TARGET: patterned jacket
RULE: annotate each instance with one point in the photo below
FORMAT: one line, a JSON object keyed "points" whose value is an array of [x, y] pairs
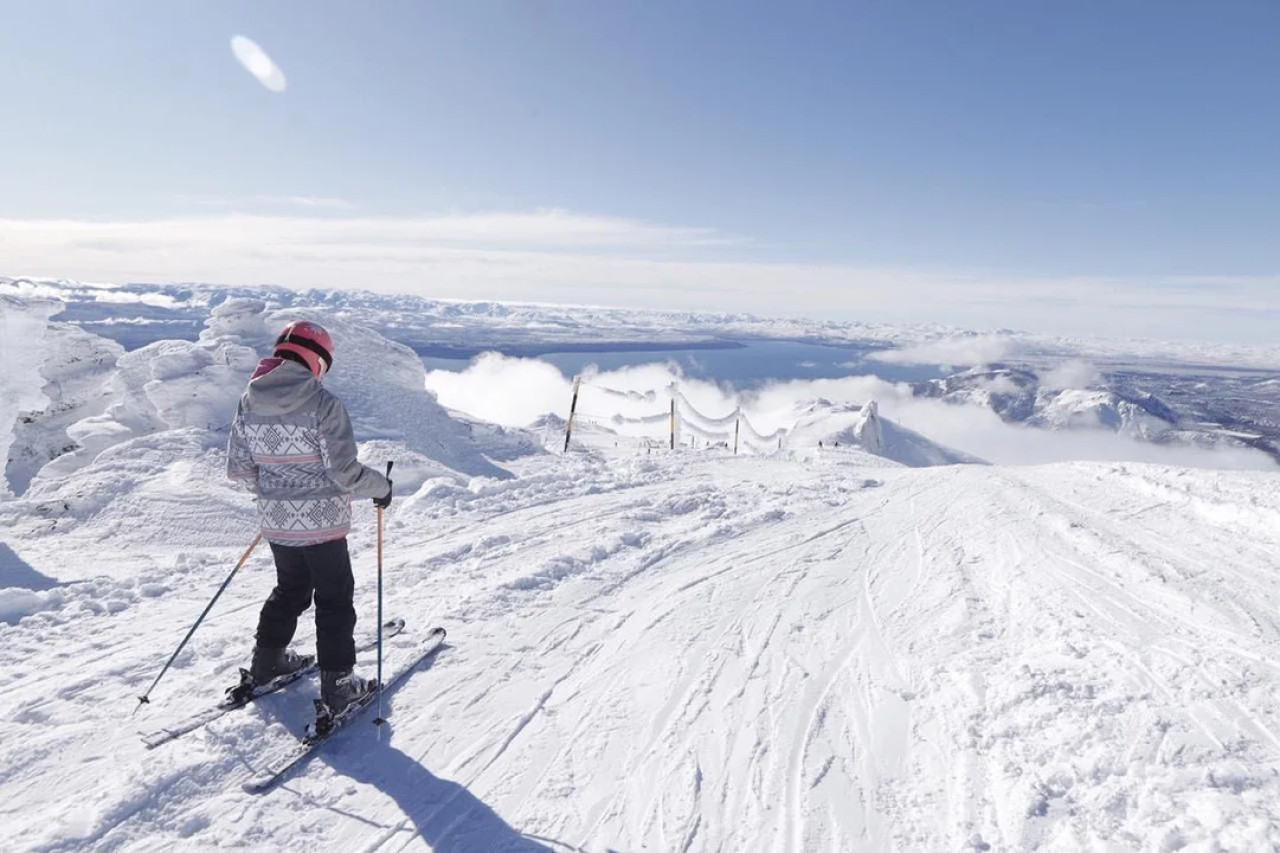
{"points": [[292, 445]]}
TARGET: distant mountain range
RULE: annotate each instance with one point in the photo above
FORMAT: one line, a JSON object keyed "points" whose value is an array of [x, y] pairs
{"points": [[1019, 395]]}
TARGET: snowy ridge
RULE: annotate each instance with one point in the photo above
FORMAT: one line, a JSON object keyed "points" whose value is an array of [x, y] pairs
{"points": [[850, 429], [1218, 395], [1020, 395], [531, 328]]}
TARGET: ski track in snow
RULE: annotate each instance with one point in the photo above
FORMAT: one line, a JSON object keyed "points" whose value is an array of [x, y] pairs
{"points": [[690, 652]]}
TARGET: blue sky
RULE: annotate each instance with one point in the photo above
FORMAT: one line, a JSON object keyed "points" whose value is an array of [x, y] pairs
{"points": [[1090, 167]]}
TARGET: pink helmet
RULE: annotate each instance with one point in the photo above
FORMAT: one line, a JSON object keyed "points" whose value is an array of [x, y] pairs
{"points": [[310, 342]]}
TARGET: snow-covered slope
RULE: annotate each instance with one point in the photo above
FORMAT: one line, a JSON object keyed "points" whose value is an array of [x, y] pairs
{"points": [[862, 430], [684, 652], [648, 649]]}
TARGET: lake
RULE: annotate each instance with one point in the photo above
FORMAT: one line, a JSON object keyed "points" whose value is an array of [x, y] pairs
{"points": [[747, 364]]}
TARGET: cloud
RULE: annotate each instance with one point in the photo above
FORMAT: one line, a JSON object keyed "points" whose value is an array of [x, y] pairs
{"points": [[256, 62], [299, 201], [963, 351], [1070, 375], [509, 391], [307, 201], [557, 256], [515, 392]]}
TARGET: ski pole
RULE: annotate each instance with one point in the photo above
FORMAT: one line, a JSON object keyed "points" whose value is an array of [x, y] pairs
{"points": [[378, 721], [244, 558]]}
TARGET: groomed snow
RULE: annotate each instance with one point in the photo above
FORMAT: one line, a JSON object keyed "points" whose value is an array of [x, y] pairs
{"points": [[690, 652]]}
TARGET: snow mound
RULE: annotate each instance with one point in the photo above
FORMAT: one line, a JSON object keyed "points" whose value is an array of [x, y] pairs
{"points": [[167, 385], [383, 385], [23, 348], [1020, 396], [163, 486], [1010, 392], [861, 431], [1082, 409], [76, 365], [129, 443], [239, 319]]}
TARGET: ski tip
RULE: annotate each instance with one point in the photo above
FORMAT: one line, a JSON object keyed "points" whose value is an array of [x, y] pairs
{"points": [[438, 632], [256, 786]]}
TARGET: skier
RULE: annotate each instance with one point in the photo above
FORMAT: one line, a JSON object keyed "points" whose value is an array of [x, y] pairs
{"points": [[292, 445]]}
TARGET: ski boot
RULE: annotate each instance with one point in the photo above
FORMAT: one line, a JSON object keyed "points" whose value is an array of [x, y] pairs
{"points": [[338, 690], [267, 666]]}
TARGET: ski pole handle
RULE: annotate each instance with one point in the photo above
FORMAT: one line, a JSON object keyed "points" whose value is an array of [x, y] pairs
{"points": [[378, 721]]}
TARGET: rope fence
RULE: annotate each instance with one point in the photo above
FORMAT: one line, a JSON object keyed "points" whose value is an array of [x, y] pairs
{"points": [[683, 420]]}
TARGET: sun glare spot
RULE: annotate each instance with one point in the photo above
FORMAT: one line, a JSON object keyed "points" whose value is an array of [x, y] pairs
{"points": [[256, 62]]}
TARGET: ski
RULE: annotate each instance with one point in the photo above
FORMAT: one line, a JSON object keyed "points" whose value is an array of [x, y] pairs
{"points": [[244, 694], [306, 747]]}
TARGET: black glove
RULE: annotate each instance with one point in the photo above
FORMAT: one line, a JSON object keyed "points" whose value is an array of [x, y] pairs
{"points": [[384, 502]]}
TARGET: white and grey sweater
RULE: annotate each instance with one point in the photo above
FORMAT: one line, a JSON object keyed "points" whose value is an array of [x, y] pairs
{"points": [[292, 445]]}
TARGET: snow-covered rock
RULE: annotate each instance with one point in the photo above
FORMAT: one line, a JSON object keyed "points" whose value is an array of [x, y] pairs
{"points": [[240, 320], [24, 349], [1147, 419], [1019, 395], [76, 366], [1008, 391], [849, 429], [869, 431], [107, 421]]}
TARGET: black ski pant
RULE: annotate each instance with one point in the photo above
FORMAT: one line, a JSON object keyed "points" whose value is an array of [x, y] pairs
{"points": [[322, 571]]}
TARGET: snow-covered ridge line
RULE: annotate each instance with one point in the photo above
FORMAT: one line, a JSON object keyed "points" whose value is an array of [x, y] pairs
{"points": [[421, 322]]}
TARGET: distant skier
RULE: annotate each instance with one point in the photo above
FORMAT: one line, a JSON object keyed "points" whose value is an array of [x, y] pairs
{"points": [[292, 445]]}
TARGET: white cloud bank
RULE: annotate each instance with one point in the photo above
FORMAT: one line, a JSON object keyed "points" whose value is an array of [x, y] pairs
{"points": [[556, 256], [1073, 374], [966, 351]]}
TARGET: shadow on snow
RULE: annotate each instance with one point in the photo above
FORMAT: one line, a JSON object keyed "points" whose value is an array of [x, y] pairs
{"points": [[448, 817], [16, 572]]}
